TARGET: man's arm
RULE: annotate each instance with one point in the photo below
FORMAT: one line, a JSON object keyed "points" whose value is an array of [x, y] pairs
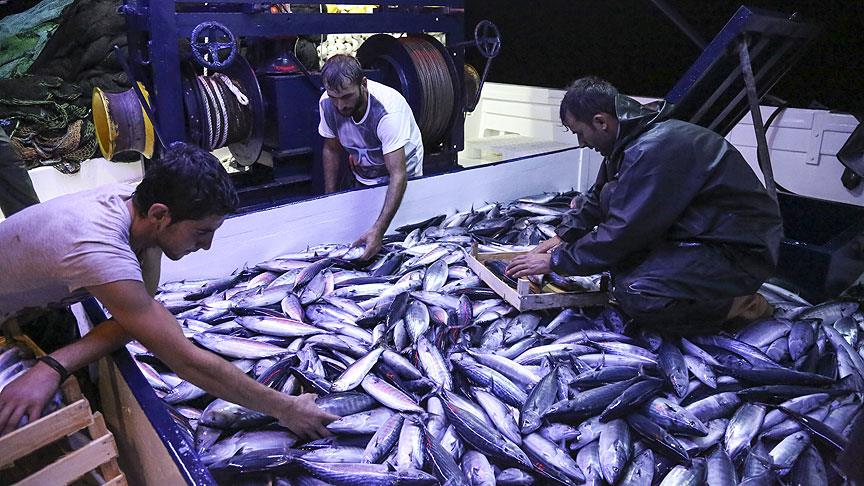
{"points": [[29, 393], [137, 315], [150, 323], [658, 179], [395, 162], [584, 212], [330, 161]]}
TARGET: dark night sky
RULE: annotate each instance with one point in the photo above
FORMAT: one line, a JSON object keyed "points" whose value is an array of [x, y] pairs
{"points": [[635, 46]]}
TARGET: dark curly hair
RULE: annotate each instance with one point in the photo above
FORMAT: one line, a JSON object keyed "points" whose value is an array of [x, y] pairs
{"points": [[588, 96], [341, 68], [190, 181]]}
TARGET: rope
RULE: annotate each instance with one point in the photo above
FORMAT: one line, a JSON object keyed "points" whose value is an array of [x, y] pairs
{"points": [[437, 87], [207, 142], [226, 115], [221, 113]]}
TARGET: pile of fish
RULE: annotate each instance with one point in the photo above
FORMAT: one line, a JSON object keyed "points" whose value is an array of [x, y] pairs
{"points": [[437, 380]]}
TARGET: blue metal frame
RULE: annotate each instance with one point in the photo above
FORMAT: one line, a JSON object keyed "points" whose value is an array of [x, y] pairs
{"points": [[181, 452], [711, 92], [155, 25]]}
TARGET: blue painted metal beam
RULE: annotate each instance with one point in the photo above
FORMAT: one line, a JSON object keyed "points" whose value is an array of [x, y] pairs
{"points": [[165, 59], [259, 25], [389, 3]]}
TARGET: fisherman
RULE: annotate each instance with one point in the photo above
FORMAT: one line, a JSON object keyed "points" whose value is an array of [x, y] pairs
{"points": [[108, 243], [374, 123], [676, 215]]}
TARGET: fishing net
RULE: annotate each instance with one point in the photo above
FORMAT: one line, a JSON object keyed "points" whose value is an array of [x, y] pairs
{"points": [[52, 128], [24, 35]]}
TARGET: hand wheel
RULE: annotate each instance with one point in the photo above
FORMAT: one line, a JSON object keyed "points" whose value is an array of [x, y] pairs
{"points": [[219, 38], [487, 38]]}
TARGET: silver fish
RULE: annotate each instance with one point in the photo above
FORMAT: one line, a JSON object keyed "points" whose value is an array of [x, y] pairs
{"points": [[354, 374], [615, 449], [389, 395], [361, 423], [383, 440], [478, 470], [433, 363], [743, 427]]}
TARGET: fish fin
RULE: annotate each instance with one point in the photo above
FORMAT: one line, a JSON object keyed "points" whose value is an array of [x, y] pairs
{"points": [[542, 334], [427, 395]]}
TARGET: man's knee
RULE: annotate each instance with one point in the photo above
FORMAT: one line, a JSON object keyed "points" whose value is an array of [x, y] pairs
{"points": [[670, 314], [638, 305]]}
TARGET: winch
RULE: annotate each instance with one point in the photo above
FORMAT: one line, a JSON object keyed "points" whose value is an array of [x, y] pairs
{"points": [[227, 74]]}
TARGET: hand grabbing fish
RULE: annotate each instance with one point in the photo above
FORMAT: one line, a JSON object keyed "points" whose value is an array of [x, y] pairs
{"points": [[530, 264], [305, 419], [372, 241]]}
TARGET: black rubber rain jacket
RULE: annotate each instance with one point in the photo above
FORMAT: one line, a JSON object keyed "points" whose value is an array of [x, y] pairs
{"points": [[674, 205]]}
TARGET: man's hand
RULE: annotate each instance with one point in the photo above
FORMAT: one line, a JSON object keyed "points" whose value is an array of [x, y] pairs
{"points": [[546, 246], [529, 264], [27, 395], [372, 240], [304, 418]]}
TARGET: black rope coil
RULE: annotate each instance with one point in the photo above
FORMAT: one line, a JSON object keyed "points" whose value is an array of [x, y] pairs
{"points": [[225, 111], [437, 87]]}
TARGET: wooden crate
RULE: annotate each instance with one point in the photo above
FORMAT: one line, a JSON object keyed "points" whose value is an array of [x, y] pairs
{"points": [[37, 442], [521, 297]]}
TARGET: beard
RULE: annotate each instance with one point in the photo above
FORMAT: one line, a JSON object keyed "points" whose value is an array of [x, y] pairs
{"points": [[350, 112], [359, 106]]}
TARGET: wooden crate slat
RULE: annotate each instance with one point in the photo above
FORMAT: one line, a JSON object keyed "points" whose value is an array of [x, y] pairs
{"points": [[100, 453], [118, 481], [546, 301], [110, 469], [505, 291], [521, 299], [75, 464], [523, 286], [71, 391], [504, 255], [44, 431]]}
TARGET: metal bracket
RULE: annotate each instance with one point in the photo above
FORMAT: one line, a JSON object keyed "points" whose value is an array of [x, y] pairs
{"points": [[762, 153], [147, 109]]}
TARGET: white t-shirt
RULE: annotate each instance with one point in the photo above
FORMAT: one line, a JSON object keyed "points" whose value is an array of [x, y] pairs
{"points": [[52, 251], [388, 125]]}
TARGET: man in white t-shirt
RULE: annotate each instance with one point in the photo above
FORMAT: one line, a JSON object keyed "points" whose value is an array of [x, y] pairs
{"points": [[375, 125], [108, 243]]}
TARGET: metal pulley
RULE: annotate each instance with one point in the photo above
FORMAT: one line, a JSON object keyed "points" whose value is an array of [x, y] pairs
{"points": [[225, 108], [421, 68]]}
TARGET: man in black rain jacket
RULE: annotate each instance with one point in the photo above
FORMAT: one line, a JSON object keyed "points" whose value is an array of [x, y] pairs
{"points": [[676, 215]]}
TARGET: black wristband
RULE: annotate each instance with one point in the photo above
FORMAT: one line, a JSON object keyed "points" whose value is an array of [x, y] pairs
{"points": [[56, 366]]}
